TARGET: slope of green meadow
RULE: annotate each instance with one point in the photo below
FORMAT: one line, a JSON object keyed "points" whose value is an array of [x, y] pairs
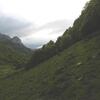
{"points": [[73, 74]]}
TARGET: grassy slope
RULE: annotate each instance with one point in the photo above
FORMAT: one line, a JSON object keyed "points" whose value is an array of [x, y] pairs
{"points": [[11, 54], [72, 75], [6, 70]]}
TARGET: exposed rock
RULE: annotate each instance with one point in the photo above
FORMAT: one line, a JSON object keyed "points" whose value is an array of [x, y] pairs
{"points": [[16, 40], [79, 63]]}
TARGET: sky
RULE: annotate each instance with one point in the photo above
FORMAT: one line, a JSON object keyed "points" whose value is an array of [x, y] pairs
{"points": [[38, 21]]}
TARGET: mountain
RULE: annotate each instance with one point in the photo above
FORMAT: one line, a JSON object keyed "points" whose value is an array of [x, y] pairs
{"points": [[4, 37], [66, 70], [72, 74], [16, 40], [12, 51], [85, 26]]}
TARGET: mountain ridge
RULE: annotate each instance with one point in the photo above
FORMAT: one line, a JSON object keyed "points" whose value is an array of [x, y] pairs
{"points": [[74, 73], [66, 70], [86, 24], [12, 50]]}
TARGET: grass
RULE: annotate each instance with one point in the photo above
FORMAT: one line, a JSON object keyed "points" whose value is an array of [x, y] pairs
{"points": [[74, 74], [13, 54], [8, 70]]}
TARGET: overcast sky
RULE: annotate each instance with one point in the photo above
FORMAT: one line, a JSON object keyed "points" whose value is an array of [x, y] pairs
{"points": [[38, 21]]}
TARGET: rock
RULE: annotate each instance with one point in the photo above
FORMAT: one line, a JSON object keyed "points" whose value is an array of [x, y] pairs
{"points": [[16, 40], [79, 63]]}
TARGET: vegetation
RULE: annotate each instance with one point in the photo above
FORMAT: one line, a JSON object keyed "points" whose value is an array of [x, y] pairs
{"points": [[87, 24], [13, 54], [41, 55], [66, 70], [74, 74]]}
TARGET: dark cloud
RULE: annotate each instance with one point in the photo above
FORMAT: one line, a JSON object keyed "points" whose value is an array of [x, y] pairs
{"points": [[12, 26]]}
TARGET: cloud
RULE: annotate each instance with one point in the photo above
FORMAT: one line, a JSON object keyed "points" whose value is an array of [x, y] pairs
{"points": [[54, 27], [49, 31], [57, 26], [44, 19], [31, 34], [12, 26]]}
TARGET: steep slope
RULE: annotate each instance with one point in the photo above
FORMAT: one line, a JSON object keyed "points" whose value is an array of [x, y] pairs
{"points": [[74, 74], [87, 24], [12, 51]]}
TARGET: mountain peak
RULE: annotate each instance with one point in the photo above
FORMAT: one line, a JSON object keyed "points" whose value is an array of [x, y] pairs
{"points": [[16, 40]]}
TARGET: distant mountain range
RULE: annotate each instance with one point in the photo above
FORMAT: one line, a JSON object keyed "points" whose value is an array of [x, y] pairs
{"points": [[12, 51], [15, 39]]}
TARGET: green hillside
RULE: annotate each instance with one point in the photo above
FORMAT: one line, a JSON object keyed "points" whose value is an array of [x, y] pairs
{"points": [[13, 55], [12, 52], [66, 70], [87, 24], [74, 74]]}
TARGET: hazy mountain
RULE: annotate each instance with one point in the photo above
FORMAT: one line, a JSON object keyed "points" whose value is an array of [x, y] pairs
{"points": [[4, 37], [16, 40], [12, 51]]}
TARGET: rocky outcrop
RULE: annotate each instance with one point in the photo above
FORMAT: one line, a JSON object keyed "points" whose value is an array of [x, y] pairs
{"points": [[16, 40]]}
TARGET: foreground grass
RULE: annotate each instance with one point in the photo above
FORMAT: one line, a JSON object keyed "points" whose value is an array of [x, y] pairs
{"points": [[71, 75], [8, 70]]}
